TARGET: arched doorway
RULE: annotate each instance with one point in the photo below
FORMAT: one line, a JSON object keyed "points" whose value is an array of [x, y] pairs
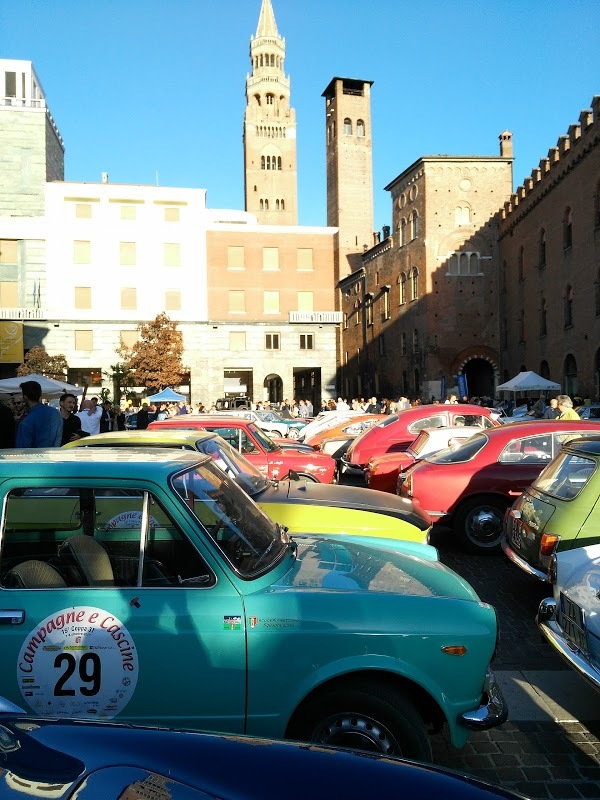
{"points": [[273, 389], [545, 370], [480, 374], [570, 376]]}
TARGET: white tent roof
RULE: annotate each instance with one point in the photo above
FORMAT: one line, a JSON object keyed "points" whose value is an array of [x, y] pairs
{"points": [[50, 387], [528, 382]]}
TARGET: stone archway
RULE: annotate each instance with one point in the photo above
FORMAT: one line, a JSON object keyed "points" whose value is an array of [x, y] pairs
{"points": [[479, 365], [273, 388]]}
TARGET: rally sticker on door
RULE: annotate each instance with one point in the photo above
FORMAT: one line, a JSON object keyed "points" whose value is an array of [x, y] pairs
{"points": [[78, 662]]}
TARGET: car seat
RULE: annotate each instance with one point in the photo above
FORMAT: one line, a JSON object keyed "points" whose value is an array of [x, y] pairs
{"points": [[34, 575], [91, 559]]}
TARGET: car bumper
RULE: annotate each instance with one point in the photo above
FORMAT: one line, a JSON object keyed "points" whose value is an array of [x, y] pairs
{"points": [[522, 564], [493, 710], [546, 620]]}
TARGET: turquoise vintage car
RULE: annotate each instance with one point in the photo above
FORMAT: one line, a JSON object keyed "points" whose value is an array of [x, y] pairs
{"points": [[146, 586]]}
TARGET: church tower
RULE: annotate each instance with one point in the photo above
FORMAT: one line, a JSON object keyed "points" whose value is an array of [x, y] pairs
{"points": [[270, 172]]}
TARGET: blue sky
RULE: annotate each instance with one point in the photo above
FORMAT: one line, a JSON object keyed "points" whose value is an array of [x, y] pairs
{"points": [[141, 88]]}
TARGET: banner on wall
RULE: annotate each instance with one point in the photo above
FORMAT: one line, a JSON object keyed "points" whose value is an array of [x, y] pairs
{"points": [[11, 342], [463, 390]]}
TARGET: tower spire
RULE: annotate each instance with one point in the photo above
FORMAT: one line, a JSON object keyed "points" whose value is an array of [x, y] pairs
{"points": [[266, 21]]}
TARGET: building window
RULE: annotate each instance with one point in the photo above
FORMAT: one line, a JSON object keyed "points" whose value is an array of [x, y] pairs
{"points": [[83, 210], [402, 288], [568, 306], [9, 294], [415, 283], [385, 304], [237, 302], [360, 128], [271, 302], [568, 229], [369, 309], [542, 249], [127, 253], [463, 264], [129, 299], [8, 251], [345, 320], [270, 99], [304, 259], [129, 338], [271, 341], [85, 377], [84, 340], [171, 214], [128, 212], [402, 232], [270, 258], [381, 345], [305, 301], [414, 225], [237, 340], [82, 252], [462, 215], [544, 318], [415, 342], [173, 300], [307, 341], [357, 313], [83, 297], [235, 257], [403, 344], [521, 266], [347, 127], [172, 254]]}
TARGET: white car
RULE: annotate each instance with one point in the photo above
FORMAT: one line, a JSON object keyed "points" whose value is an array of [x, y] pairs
{"points": [[327, 419], [271, 423], [570, 620]]}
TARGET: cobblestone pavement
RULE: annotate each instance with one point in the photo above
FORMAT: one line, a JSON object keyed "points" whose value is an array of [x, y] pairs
{"points": [[539, 759]]}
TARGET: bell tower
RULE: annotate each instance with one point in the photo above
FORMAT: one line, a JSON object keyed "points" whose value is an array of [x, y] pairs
{"points": [[270, 171]]}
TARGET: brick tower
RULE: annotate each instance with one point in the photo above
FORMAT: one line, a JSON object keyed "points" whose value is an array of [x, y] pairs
{"points": [[270, 172], [349, 169]]}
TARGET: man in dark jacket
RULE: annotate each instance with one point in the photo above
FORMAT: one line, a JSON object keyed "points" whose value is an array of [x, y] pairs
{"points": [[142, 418], [71, 422]]}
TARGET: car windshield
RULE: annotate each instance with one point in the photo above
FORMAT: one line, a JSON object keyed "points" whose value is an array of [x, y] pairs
{"points": [[419, 443], [261, 437], [245, 474], [565, 476], [248, 539], [269, 416], [464, 452]]}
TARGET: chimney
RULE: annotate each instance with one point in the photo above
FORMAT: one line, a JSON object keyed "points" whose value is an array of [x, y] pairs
{"points": [[386, 231], [506, 145], [105, 177]]}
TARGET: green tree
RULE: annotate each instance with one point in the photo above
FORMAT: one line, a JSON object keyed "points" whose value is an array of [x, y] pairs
{"points": [[122, 382], [37, 360], [155, 360]]}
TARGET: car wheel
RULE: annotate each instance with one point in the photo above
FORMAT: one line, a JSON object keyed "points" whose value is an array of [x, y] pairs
{"points": [[294, 433], [364, 716], [479, 524]]}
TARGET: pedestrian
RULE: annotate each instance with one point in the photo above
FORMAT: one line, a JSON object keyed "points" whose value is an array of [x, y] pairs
{"points": [[71, 430], [552, 411], [43, 425], [7, 427], [565, 406], [537, 409], [107, 417], [452, 400], [142, 417], [90, 414]]}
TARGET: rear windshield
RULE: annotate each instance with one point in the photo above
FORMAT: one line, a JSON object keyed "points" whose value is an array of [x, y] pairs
{"points": [[565, 476], [464, 452]]}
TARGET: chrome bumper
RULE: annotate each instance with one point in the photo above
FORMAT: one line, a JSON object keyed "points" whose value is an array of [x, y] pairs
{"points": [[492, 712], [546, 620], [524, 565]]}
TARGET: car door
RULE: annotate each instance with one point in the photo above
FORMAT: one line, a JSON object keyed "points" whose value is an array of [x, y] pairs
{"points": [[110, 609]]}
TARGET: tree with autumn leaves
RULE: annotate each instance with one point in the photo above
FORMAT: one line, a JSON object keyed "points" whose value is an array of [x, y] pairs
{"points": [[154, 361], [37, 361]]}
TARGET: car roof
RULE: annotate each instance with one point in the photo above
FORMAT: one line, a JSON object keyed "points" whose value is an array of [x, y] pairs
{"points": [[96, 462], [142, 437]]}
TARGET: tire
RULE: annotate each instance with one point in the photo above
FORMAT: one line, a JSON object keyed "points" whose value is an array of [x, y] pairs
{"points": [[293, 433], [364, 716], [479, 525]]}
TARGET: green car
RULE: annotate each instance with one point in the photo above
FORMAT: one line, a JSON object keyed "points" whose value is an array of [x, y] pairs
{"points": [[559, 511], [302, 506], [147, 587]]}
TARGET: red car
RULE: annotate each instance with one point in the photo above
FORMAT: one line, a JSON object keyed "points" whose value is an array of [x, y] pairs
{"points": [[471, 487], [273, 461], [398, 431]]}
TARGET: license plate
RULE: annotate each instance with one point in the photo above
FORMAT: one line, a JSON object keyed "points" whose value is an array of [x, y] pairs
{"points": [[572, 621], [515, 534]]}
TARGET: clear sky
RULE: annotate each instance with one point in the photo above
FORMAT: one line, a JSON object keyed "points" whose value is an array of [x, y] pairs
{"points": [[151, 90]]}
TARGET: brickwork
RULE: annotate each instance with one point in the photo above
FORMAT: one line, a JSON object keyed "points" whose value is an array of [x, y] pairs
{"points": [[550, 262]]}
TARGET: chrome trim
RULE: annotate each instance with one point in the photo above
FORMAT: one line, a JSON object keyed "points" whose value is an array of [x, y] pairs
{"points": [[546, 621], [12, 616], [492, 712], [524, 565]]}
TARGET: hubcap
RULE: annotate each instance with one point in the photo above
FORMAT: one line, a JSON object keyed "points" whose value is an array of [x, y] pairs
{"points": [[358, 732], [484, 525]]}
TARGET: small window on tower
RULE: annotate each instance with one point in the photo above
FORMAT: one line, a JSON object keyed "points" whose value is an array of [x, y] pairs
{"points": [[347, 127], [360, 128]]}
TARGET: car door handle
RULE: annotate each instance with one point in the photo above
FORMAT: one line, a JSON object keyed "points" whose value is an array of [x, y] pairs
{"points": [[12, 616]]}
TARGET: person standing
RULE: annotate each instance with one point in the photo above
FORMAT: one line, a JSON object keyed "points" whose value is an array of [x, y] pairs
{"points": [[552, 411], [71, 422], [143, 419], [565, 406], [90, 414], [7, 427], [107, 417], [43, 425]]}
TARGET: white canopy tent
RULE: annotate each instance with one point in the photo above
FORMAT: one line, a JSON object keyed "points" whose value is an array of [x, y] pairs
{"points": [[50, 387], [528, 382]]}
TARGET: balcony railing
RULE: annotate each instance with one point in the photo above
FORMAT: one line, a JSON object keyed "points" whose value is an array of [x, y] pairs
{"points": [[320, 317], [22, 313]]}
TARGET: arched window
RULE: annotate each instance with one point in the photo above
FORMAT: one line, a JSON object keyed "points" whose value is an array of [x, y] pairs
{"points": [[415, 342], [545, 370], [262, 162], [270, 99], [261, 61], [272, 60], [453, 264], [462, 215], [266, 205], [522, 264], [414, 284], [570, 376], [262, 205], [347, 127], [402, 232], [360, 127], [544, 318], [276, 205], [402, 288], [414, 225], [402, 344], [568, 229], [283, 205], [278, 162], [542, 249], [568, 307]]}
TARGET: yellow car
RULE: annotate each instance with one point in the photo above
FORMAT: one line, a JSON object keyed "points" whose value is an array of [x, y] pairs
{"points": [[301, 506]]}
